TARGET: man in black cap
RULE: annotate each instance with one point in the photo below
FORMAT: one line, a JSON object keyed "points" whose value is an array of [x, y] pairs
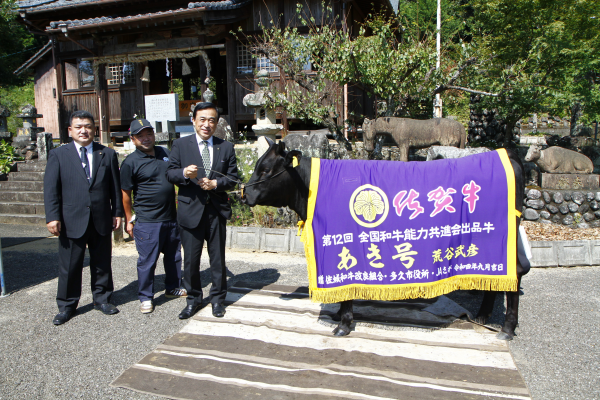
{"points": [[154, 226]]}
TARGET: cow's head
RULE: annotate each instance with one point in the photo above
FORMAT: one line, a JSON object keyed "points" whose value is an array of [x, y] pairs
{"points": [[368, 128], [534, 153], [271, 183]]}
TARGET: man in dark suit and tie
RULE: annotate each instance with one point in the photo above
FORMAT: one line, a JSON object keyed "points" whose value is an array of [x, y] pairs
{"points": [[203, 167], [82, 198]]}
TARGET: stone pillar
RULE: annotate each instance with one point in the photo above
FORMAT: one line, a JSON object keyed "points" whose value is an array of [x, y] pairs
{"points": [[44, 145]]}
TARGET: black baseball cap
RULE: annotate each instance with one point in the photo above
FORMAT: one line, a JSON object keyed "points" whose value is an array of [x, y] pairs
{"points": [[138, 124]]}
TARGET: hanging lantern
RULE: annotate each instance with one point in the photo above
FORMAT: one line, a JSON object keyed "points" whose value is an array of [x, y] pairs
{"points": [[146, 75], [185, 70]]}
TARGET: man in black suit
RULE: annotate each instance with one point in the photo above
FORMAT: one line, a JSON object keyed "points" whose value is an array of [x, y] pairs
{"points": [[203, 167], [82, 198]]}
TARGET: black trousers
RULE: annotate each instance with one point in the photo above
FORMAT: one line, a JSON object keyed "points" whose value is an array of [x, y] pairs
{"points": [[212, 229], [71, 253]]}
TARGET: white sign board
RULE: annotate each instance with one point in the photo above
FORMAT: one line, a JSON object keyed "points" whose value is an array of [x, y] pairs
{"points": [[162, 107]]}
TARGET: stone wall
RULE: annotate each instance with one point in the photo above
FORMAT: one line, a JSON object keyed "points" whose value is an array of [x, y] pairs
{"points": [[574, 208]]}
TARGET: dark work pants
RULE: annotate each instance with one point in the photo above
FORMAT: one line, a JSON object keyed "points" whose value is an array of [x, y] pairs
{"points": [[151, 239], [211, 229], [71, 253]]}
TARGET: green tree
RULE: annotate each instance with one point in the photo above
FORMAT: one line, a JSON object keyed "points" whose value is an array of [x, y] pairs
{"points": [[542, 55], [16, 46], [392, 60]]}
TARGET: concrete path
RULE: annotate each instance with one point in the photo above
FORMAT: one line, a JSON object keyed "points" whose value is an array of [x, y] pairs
{"points": [[556, 350]]}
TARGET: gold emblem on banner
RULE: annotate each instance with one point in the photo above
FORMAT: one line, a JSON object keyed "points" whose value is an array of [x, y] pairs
{"points": [[369, 206]]}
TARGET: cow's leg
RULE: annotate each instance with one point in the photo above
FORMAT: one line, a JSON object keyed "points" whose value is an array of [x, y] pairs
{"points": [[403, 152], [487, 307], [511, 320], [347, 316]]}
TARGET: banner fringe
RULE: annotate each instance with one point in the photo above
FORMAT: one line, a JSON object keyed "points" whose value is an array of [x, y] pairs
{"points": [[413, 291]]}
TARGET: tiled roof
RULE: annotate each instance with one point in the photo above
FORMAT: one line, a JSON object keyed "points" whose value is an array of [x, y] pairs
{"points": [[208, 5], [39, 5], [36, 5], [41, 52]]}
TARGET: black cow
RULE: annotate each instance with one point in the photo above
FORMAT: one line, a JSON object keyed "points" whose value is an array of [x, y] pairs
{"points": [[275, 182]]}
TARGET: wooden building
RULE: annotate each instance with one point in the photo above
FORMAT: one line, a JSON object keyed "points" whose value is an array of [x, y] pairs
{"points": [[104, 56]]}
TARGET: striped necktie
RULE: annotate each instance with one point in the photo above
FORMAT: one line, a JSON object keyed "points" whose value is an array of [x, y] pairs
{"points": [[85, 161], [206, 158]]}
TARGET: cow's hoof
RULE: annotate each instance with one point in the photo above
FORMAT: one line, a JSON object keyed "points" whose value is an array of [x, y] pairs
{"points": [[504, 336], [339, 331], [481, 320]]}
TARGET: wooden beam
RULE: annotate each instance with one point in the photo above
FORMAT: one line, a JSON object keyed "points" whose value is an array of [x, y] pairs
{"points": [[231, 60], [103, 107], [59, 76]]}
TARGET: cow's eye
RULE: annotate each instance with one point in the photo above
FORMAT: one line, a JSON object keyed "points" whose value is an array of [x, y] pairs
{"points": [[266, 171]]}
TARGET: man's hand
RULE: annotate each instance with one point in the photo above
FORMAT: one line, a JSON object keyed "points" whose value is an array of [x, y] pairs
{"points": [[129, 229], [207, 184], [54, 227], [116, 223], [190, 172]]}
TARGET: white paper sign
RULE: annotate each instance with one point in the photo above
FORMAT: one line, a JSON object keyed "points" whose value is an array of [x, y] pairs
{"points": [[162, 107]]}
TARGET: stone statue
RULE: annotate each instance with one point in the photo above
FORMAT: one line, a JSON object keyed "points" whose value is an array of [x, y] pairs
{"points": [[558, 160], [414, 133]]}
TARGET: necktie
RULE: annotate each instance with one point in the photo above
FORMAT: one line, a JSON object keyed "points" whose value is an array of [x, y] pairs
{"points": [[206, 158], [85, 161]]}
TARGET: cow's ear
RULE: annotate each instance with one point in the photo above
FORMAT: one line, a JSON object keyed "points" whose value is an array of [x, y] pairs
{"points": [[281, 148], [292, 158]]}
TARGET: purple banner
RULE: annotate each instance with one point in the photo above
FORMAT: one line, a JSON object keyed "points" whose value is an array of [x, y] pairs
{"points": [[392, 223]]}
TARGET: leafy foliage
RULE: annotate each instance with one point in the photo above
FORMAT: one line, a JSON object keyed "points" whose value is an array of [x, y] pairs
{"points": [[14, 98], [7, 157], [16, 46], [543, 55]]}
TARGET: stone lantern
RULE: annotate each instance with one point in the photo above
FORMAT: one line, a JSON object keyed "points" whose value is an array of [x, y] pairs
{"points": [[30, 128], [266, 119]]}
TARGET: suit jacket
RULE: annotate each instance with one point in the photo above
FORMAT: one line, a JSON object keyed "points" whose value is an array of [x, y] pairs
{"points": [[69, 198], [191, 198]]}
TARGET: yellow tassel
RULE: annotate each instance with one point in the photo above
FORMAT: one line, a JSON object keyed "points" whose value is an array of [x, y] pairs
{"points": [[300, 226]]}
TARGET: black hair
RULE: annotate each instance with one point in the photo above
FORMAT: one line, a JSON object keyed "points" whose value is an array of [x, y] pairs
{"points": [[204, 106], [81, 114]]}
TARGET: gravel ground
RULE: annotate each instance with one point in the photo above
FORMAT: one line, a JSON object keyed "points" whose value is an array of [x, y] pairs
{"points": [[556, 348]]}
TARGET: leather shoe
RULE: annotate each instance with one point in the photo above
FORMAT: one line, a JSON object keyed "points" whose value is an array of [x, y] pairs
{"points": [[106, 308], [188, 311], [62, 317], [218, 310]]}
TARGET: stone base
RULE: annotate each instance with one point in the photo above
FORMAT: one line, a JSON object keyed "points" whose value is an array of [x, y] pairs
{"points": [[570, 181], [30, 133]]}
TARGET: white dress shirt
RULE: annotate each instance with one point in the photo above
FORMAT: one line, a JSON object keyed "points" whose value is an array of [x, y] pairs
{"points": [[90, 154]]}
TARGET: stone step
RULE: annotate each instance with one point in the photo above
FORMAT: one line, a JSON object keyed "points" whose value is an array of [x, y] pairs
{"points": [[29, 186], [22, 208], [26, 176], [28, 196], [38, 166], [23, 219]]}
